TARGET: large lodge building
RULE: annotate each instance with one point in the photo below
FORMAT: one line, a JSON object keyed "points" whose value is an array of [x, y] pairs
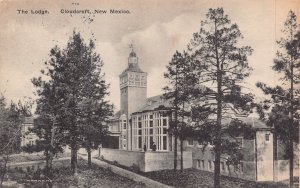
{"points": [[144, 121]]}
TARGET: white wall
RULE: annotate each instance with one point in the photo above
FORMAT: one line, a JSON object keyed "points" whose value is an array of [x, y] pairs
{"points": [[264, 156], [146, 161]]}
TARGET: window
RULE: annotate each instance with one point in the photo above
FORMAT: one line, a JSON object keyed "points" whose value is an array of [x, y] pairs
{"points": [[140, 142], [239, 141], [151, 142], [164, 122], [146, 131], [241, 167], [236, 168], [164, 143], [151, 123], [124, 124], [209, 165], [202, 164], [190, 141], [124, 136], [267, 137], [222, 166]]}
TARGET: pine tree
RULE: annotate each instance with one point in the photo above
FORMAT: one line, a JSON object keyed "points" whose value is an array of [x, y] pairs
{"points": [[11, 118], [179, 75], [95, 109], [75, 99], [223, 65], [284, 103], [46, 125]]}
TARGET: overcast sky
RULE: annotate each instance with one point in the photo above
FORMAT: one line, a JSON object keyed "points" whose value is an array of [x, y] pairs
{"points": [[156, 29]]}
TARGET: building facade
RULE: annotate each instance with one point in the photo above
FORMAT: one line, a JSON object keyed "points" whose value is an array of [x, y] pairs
{"points": [[28, 138], [143, 122]]}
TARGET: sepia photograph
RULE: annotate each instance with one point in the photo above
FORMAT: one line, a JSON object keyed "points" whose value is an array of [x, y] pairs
{"points": [[149, 93]]}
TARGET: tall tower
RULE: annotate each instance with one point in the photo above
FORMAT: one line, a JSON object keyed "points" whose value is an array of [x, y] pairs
{"points": [[133, 86]]}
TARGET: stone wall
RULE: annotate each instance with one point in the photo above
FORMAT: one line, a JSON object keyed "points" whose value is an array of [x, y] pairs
{"points": [[146, 161], [165, 160], [124, 157]]}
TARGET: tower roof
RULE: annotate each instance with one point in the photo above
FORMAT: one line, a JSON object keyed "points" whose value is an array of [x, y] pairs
{"points": [[132, 63], [132, 54], [132, 68]]}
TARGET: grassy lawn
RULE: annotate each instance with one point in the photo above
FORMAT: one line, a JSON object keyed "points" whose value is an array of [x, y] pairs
{"points": [[191, 178], [203, 179], [94, 177], [17, 158]]}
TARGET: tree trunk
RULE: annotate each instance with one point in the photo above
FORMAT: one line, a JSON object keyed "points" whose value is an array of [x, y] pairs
{"points": [[51, 154], [175, 153], [176, 120], [219, 118], [291, 161], [291, 129], [89, 158], [181, 140], [4, 170], [218, 148], [47, 159], [175, 141], [74, 161], [181, 154]]}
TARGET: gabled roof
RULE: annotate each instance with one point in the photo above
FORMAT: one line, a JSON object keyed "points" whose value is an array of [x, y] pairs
{"points": [[155, 103], [159, 102], [116, 116], [252, 121], [255, 122]]}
